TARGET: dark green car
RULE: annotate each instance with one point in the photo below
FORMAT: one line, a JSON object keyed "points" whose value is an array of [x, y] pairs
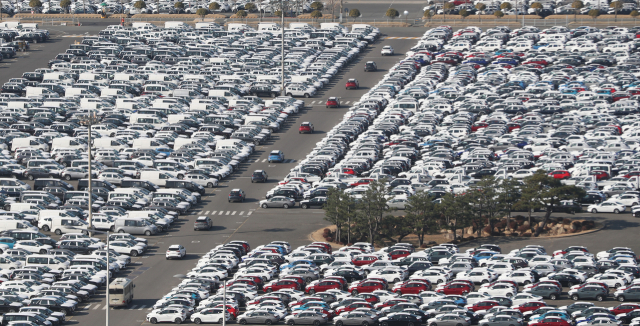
{"points": [[547, 291], [588, 292], [628, 294], [578, 306]]}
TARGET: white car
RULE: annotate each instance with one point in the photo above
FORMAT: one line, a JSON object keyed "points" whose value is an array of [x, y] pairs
{"points": [[202, 180], [387, 50], [521, 277], [627, 199], [611, 280], [502, 290], [210, 315], [525, 297], [435, 277], [32, 246], [502, 268], [299, 90], [175, 251], [169, 314], [606, 207], [8, 263], [477, 276], [390, 275], [126, 248]]}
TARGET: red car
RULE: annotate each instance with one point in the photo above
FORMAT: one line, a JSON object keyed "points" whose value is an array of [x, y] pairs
{"points": [[364, 260], [551, 321], [339, 279], [281, 284], [298, 279], [624, 308], [530, 306], [366, 286], [361, 182], [455, 288], [370, 298], [484, 305], [306, 128], [390, 303], [600, 175], [399, 253], [322, 286], [560, 174], [352, 84], [353, 307], [232, 311], [412, 288], [333, 102], [479, 125]]}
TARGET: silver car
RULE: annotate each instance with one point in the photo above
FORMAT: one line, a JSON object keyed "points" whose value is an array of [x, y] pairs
{"points": [[258, 317], [449, 320], [74, 173], [278, 201], [355, 318]]}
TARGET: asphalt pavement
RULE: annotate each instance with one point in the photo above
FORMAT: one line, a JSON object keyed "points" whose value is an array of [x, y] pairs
{"points": [[153, 275]]}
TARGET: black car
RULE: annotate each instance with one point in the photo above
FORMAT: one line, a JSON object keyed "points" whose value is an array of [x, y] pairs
{"points": [[399, 319], [370, 66], [350, 276], [316, 202], [237, 195], [266, 91], [565, 279], [52, 304], [77, 246], [34, 173], [8, 306], [259, 176]]}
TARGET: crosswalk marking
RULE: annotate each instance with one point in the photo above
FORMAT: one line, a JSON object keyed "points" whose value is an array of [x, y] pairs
{"points": [[234, 213], [134, 307], [249, 213], [87, 306], [213, 213], [227, 213], [207, 213], [96, 307], [264, 160], [105, 307], [221, 212], [347, 102], [314, 102], [142, 307], [242, 213]]}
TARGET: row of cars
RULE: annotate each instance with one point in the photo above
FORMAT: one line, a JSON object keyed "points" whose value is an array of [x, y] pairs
{"points": [[400, 285], [467, 104]]}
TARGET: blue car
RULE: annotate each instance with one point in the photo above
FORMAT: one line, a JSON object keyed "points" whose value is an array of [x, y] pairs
{"points": [[8, 241], [484, 255], [313, 304], [276, 156], [280, 249], [555, 313], [457, 299], [296, 263]]}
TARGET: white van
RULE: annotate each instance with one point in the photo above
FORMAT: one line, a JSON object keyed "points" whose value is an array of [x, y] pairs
{"points": [[60, 225], [51, 261], [29, 142], [16, 225], [146, 143], [110, 143], [68, 142], [157, 177]]}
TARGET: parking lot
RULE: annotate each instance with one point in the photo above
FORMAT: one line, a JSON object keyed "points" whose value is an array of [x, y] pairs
{"points": [[247, 220]]}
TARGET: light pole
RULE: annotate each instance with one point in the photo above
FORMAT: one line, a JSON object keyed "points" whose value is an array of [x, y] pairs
{"points": [[405, 13], [282, 92], [224, 292], [108, 271], [88, 121]]}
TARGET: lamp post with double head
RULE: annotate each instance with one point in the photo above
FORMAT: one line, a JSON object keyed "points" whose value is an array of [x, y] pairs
{"points": [[89, 120]]}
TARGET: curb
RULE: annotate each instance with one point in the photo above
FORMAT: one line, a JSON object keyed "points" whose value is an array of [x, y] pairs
{"points": [[315, 236]]}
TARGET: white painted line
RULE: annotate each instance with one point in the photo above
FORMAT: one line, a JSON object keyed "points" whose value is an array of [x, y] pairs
{"points": [[241, 213], [105, 307], [221, 212], [142, 307], [96, 307], [234, 213], [249, 213], [133, 307], [264, 160], [207, 212], [228, 213], [87, 306], [213, 213]]}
